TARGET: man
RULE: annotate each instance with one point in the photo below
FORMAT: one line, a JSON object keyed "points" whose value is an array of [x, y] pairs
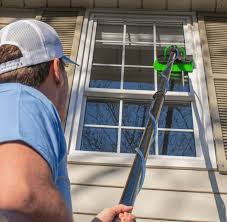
{"points": [[33, 156]]}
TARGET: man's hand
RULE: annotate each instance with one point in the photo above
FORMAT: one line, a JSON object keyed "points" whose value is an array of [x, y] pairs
{"points": [[124, 213]]}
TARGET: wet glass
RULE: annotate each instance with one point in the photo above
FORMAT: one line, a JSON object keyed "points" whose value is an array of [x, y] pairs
{"points": [[107, 54], [139, 78], [177, 84], [170, 34], [139, 33], [109, 32], [139, 55], [105, 77]]}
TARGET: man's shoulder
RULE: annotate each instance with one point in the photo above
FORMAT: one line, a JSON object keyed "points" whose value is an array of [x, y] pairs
{"points": [[26, 99], [11, 92]]}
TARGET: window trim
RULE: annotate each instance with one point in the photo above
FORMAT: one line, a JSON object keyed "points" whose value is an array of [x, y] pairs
{"points": [[79, 99]]}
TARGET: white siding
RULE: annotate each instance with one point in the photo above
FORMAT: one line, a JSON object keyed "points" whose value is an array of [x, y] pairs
{"points": [[167, 194], [35, 3], [158, 179], [170, 5], [150, 204], [176, 5]]}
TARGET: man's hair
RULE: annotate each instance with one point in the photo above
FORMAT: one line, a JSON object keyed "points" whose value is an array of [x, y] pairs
{"points": [[32, 75]]}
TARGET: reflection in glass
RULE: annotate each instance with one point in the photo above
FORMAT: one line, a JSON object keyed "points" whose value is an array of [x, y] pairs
{"points": [[130, 140], [105, 77], [109, 32], [107, 54], [101, 112], [139, 33], [99, 139], [135, 113], [139, 55], [176, 143], [139, 79], [177, 116], [170, 34]]}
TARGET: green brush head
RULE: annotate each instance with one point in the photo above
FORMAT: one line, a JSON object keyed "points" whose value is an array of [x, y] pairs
{"points": [[183, 63]]}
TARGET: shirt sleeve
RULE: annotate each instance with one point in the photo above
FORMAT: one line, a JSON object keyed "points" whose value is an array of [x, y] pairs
{"points": [[36, 123]]}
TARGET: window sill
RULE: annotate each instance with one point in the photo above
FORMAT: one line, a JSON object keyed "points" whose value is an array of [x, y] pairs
{"points": [[125, 160]]}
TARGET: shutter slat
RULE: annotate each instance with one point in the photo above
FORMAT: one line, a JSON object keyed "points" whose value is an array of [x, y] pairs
{"points": [[213, 32], [216, 36], [64, 23]]}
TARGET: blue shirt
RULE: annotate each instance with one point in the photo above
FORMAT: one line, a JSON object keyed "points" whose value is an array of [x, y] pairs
{"points": [[29, 116]]}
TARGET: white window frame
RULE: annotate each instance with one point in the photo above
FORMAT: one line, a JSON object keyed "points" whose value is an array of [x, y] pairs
{"points": [[204, 148]]}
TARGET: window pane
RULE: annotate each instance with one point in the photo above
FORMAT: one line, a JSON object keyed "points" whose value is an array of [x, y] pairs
{"points": [[99, 139], [139, 34], [109, 32], [105, 77], [179, 84], [130, 140], [135, 113], [176, 143], [177, 116], [139, 55], [139, 78], [102, 112], [171, 34], [107, 54]]}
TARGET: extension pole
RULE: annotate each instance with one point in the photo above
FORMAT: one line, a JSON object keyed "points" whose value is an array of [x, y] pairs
{"points": [[133, 182]]}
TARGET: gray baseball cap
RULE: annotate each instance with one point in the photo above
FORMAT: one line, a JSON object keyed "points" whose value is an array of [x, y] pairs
{"points": [[38, 43]]}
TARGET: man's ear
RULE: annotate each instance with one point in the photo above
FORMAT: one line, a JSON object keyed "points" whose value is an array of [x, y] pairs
{"points": [[57, 71]]}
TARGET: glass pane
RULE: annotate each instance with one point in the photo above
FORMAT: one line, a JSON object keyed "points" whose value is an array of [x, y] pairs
{"points": [[177, 84], [176, 144], [139, 55], [102, 112], [178, 116], [130, 140], [171, 34], [139, 78], [107, 54], [105, 77], [99, 139], [109, 32], [135, 113], [139, 34]]}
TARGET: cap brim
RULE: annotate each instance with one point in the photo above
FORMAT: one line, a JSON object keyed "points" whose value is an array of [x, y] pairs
{"points": [[66, 59]]}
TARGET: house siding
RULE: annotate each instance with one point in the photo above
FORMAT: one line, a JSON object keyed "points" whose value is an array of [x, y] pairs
{"points": [[170, 5], [167, 194]]}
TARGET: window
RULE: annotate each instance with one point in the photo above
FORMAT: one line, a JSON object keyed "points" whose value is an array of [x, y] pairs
{"points": [[118, 81]]}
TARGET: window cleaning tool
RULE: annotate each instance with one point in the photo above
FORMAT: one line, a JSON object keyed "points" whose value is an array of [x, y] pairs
{"points": [[171, 65]]}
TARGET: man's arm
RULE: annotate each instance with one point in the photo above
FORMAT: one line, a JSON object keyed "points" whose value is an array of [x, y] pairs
{"points": [[27, 187]]}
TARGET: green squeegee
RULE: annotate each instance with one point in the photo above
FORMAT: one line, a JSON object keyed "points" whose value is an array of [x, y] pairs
{"points": [[182, 64]]}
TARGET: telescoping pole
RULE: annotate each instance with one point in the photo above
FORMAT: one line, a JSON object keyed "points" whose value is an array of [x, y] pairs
{"points": [[135, 176]]}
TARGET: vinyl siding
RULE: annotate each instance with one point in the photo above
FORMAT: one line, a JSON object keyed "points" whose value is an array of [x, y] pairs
{"points": [[167, 194], [171, 5]]}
